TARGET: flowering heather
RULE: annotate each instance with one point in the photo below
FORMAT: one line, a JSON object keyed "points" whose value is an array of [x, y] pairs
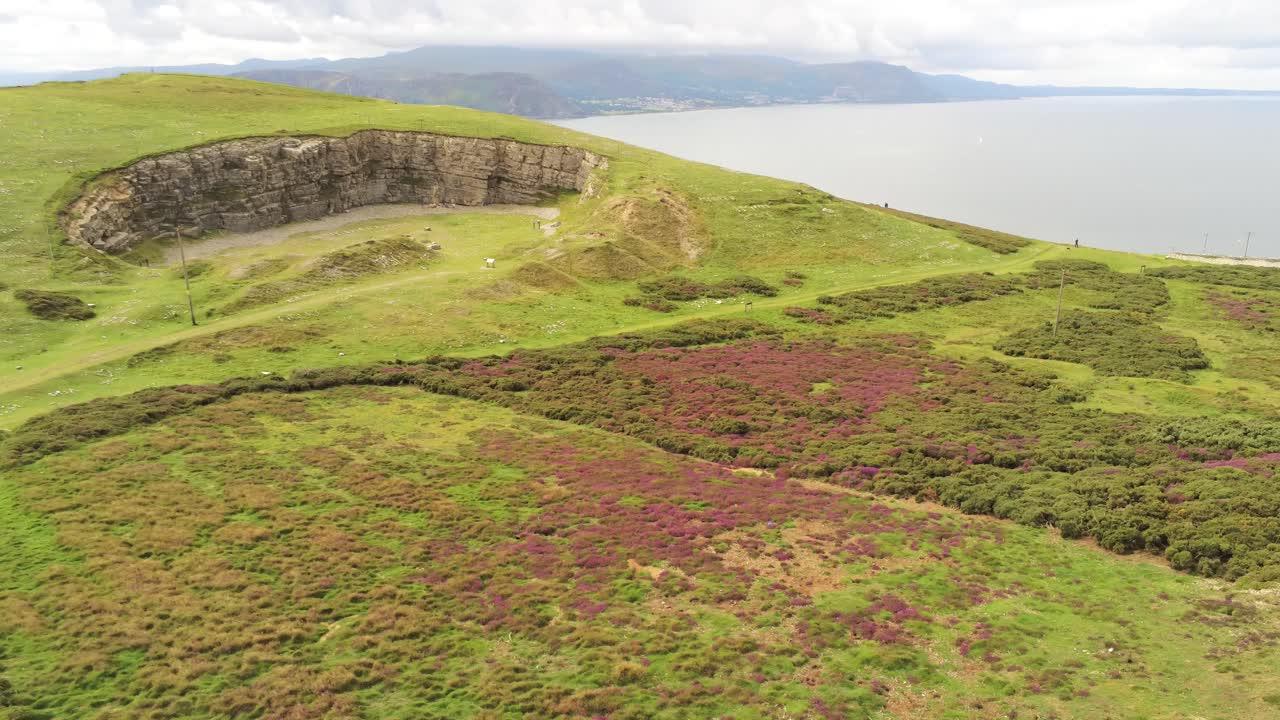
{"points": [[342, 547], [563, 544], [1265, 465], [1255, 312]]}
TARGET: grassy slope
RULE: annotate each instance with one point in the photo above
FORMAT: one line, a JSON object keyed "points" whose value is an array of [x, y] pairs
{"points": [[1052, 633], [388, 553], [59, 135]]}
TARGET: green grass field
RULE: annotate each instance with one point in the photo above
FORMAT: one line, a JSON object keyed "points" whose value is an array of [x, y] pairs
{"points": [[432, 489]]}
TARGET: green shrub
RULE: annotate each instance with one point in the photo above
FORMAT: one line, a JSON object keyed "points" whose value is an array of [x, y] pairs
{"points": [[1254, 435], [48, 305], [890, 300], [1128, 344], [1120, 291], [662, 293]]}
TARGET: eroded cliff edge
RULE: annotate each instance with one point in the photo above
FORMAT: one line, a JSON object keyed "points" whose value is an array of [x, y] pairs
{"points": [[255, 183]]}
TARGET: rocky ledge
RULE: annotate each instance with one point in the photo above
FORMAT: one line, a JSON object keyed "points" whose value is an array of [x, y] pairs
{"points": [[255, 183]]}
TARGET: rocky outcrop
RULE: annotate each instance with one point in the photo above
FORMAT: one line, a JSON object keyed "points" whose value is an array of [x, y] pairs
{"points": [[255, 183]]}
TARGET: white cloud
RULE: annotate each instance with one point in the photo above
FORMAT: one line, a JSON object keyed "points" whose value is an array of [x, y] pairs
{"points": [[1134, 42]]}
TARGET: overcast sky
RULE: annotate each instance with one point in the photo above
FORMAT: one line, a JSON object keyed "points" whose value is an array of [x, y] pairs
{"points": [[1204, 43]]}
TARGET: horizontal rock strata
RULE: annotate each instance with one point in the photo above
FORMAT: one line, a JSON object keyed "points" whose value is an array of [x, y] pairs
{"points": [[255, 183]]}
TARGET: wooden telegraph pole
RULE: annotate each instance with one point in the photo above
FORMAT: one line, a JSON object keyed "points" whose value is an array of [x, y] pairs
{"points": [[1057, 317], [182, 254]]}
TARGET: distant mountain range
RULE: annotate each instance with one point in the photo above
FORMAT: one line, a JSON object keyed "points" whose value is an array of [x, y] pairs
{"points": [[571, 83]]}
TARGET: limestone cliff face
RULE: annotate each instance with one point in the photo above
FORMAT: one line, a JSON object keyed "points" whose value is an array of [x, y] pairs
{"points": [[250, 184]]}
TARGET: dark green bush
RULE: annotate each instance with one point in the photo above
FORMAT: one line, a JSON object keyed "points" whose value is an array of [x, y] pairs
{"points": [[48, 305], [1117, 291], [1113, 344], [890, 300], [662, 293]]}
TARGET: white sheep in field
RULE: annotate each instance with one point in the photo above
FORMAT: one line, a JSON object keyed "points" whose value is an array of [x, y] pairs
{"points": [[490, 263]]}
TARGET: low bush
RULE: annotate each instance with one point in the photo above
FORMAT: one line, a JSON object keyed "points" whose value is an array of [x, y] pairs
{"points": [[1118, 291], [662, 293], [890, 300], [1129, 344], [48, 305]]}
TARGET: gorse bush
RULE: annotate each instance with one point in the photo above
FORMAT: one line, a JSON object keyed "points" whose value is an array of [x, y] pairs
{"points": [[662, 294], [48, 305], [1113, 344], [1217, 434], [890, 300]]}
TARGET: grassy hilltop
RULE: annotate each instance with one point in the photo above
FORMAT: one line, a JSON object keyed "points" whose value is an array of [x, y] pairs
{"points": [[594, 482]]}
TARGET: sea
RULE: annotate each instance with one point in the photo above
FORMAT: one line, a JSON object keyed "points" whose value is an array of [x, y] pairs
{"points": [[1144, 174]]}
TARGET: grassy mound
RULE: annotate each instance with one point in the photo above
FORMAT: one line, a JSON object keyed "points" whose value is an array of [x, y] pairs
{"points": [[48, 305], [370, 257], [542, 276], [1113, 344]]}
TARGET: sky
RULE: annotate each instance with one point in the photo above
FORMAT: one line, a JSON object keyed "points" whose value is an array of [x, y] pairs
{"points": [[1153, 43]]}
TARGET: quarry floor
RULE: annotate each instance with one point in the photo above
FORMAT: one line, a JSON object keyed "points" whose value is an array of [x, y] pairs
{"points": [[219, 242]]}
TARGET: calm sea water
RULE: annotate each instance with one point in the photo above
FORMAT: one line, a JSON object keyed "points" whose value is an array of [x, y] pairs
{"points": [[1144, 174]]}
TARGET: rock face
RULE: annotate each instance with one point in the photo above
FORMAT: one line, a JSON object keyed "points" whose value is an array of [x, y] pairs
{"points": [[255, 183]]}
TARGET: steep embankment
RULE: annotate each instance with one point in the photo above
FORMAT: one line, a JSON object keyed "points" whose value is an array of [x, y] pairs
{"points": [[256, 183]]}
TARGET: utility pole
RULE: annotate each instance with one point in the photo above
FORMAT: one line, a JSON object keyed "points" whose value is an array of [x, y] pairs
{"points": [[51, 229], [182, 253], [1057, 317], [1247, 238]]}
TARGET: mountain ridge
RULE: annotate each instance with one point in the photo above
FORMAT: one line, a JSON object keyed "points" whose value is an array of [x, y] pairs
{"points": [[563, 83]]}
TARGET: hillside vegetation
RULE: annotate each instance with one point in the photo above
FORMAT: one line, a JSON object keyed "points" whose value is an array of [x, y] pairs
{"points": [[706, 445]]}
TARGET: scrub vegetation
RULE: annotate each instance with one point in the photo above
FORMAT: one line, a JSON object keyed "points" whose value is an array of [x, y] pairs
{"points": [[849, 472], [54, 305]]}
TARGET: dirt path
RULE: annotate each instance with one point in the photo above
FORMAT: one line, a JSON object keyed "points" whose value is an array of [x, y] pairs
{"points": [[214, 244]]}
